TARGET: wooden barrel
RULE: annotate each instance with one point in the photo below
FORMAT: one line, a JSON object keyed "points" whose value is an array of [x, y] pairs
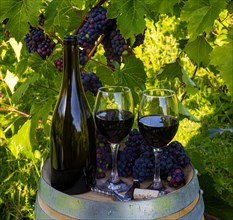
{"points": [[184, 203]]}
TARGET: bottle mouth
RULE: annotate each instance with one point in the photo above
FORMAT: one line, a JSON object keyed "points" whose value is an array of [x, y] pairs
{"points": [[71, 38]]}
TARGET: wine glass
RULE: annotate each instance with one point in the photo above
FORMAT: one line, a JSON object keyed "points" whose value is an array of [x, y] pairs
{"points": [[113, 112], [158, 123]]}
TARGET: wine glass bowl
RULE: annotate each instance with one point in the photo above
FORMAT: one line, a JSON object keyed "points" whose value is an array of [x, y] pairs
{"points": [[114, 118], [158, 123]]}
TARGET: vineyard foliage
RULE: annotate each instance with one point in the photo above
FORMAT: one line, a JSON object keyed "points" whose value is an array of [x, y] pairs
{"points": [[184, 40]]}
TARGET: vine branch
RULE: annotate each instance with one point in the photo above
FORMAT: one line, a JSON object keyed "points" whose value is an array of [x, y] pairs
{"points": [[10, 109]]}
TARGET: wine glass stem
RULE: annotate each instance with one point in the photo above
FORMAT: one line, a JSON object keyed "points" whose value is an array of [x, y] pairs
{"points": [[157, 184], [114, 173]]}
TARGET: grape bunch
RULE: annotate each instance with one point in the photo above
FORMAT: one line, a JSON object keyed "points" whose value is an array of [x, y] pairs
{"points": [[131, 151], [115, 47], [103, 155], [37, 41], [172, 158], [137, 160], [176, 177], [144, 166], [91, 82], [96, 24]]}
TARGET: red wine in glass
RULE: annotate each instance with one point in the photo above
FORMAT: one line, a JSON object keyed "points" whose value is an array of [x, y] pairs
{"points": [[114, 124], [158, 130], [114, 119], [158, 123]]}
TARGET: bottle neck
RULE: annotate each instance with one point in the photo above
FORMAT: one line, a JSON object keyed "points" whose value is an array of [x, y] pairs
{"points": [[71, 64]]}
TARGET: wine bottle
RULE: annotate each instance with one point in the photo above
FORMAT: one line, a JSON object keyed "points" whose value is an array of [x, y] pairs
{"points": [[73, 150]]}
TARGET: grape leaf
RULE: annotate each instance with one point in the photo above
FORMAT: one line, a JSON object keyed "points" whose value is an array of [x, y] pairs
{"points": [[175, 70], [200, 15], [20, 12], [222, 57], [20, 143], [199, 51], [130, 16], [184, 113], [132, 75], [60, 17], [105, 75], [21, 66], [23, 88], [40, 111], [162, 7], [44, 67]]}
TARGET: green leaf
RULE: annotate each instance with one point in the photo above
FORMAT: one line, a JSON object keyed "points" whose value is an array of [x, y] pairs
{"points": [[21, 66], [130, 16], [44, 67], [162, 7], [200, 15], [184, 113], [105, 75], [199, 51], [132, 75], [221, 57], [20, 12], [23, 88], [61, 17], [20, 143], [175, 70], [213, 131], [40, 112]]}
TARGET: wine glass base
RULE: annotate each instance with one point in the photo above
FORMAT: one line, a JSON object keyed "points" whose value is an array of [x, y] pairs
{"points": [[159, 187], [108, 186]]}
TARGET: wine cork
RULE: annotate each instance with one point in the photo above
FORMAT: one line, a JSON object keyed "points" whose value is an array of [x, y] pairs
{"points": [[145, 193]]}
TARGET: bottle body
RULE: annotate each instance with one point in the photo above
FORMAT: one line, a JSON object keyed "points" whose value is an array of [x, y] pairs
{"points": [[73, 154]]}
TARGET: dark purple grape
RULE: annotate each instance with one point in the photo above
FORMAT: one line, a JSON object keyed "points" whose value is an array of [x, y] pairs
{"points": [[129, 154], [91, 82], [37, 41], [96, 24], [41, 19], [103, 155], [59, 64], [176, 177], [144, 166]]}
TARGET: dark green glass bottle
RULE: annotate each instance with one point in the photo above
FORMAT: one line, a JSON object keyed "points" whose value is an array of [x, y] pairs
{"points": [[73, 150]]}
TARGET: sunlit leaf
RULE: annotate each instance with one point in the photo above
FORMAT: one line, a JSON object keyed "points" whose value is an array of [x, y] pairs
{"points": [[162, 7], [199, 51], [20, 142], [23, 87], [61, 17], [11, 80], [222, 58], [200, 15], [175, 70], [184, 113]]}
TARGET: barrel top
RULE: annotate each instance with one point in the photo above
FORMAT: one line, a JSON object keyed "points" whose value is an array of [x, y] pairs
{"points": [[93, 205]]}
